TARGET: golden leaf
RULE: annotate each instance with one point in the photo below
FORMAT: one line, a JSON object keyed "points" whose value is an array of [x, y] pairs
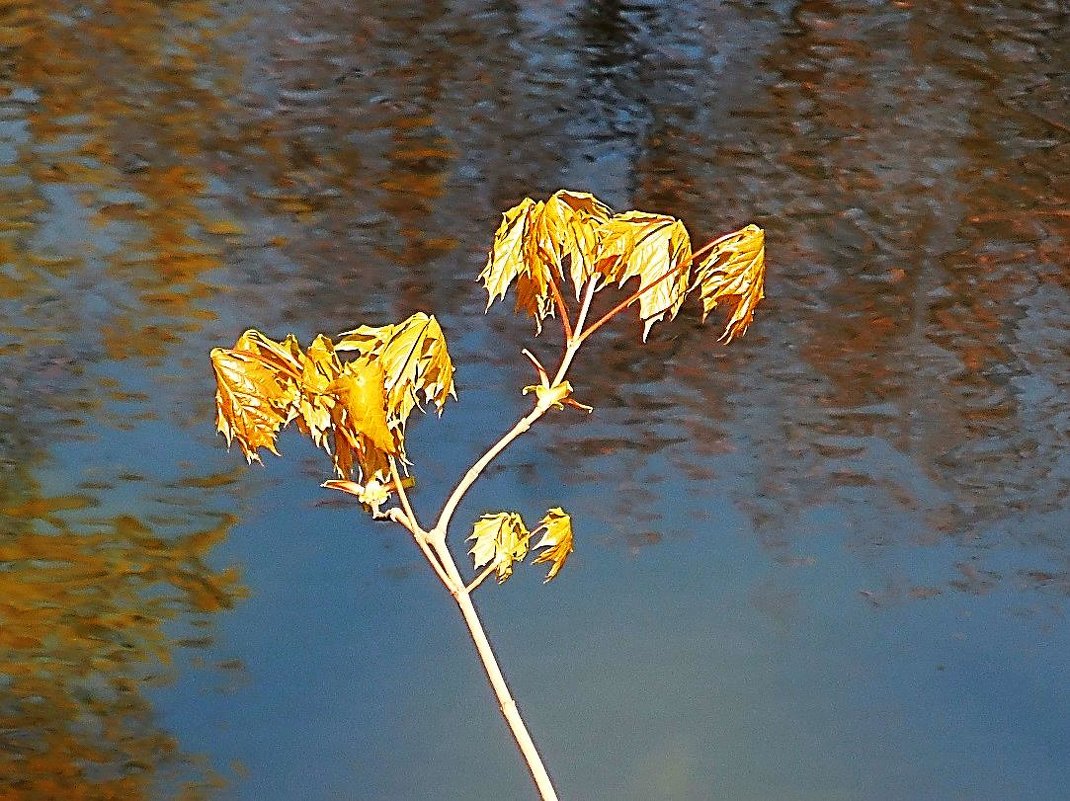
{"points": [[512, 257], [506, 259], [361, 388], [564, 231], [343, 407], [734, 271], [537, 243], [414, 360], [255, 397], [285, 357], [500, 539], [653, 248], [320, 369], [556, 539]]}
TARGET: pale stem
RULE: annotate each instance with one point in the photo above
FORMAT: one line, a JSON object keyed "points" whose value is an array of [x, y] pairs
{"points": [[479, 579], [506, 703], [470, 477], [407, 518], [436, 539], [402, 494]]}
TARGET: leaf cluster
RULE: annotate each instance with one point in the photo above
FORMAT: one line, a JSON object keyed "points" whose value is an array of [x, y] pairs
{"points": [[352, 397], [575, 238]]}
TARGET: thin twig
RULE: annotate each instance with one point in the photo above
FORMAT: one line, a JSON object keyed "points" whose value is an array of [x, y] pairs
{"points": [[628, 301], [479, 579], [407, 518], [562, 309], [402, 494]]}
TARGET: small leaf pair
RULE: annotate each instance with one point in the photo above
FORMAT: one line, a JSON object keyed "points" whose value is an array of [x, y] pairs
{"points": [[501, 539]]}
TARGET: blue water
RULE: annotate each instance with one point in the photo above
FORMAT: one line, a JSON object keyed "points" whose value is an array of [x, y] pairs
{"points": [[827, 562]]}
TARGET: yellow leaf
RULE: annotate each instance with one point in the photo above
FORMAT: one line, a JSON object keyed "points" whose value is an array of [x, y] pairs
{"points": [[734, 272], [284, 357], [254, 399], [653, 248], [563, 233], [506, 259], [263, 385], [537, 243], [315, 410], [557, 540], [361, 388], [500, 539], [414, 360]]}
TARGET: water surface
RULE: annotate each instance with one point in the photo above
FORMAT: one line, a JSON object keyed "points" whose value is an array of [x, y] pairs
{"points": [[829, 562]]}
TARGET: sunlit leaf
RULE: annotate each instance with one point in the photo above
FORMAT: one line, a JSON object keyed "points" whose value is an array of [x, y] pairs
{"points": [[499, 540], [556, 539], [361, 388], [355, 410], [254, 398], [563, 234], [653, 248], [320, 369], [733, 272], [537, 243], [512, 258], [506, 259], [414, 360]]}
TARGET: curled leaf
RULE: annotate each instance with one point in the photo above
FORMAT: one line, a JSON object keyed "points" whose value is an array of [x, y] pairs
{"points": [[414, 360], [513, 257], [499, 540], [256, 394], [556, 539], [563, 234], [653, 248], [733, 272], [538, 243], [355, 410]]}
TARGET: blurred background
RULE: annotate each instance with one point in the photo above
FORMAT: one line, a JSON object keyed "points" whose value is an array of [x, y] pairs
{"points": [[828, 563]]}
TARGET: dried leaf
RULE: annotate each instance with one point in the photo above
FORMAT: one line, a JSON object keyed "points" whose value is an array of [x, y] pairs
{"points": [[563, 233], [537, 243], [414, 360], [734, 272], [506, 259], [512, 257], [256, 393], [321, 368], [653, 248], [354, 410], [557, 540], [500, 539], [361, 390]]}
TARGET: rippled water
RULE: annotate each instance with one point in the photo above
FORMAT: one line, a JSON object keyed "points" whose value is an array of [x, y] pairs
{"points": [[828, 562]]}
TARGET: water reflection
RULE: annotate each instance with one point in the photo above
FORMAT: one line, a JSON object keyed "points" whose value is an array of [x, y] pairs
{"points": [[108, 241]]}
